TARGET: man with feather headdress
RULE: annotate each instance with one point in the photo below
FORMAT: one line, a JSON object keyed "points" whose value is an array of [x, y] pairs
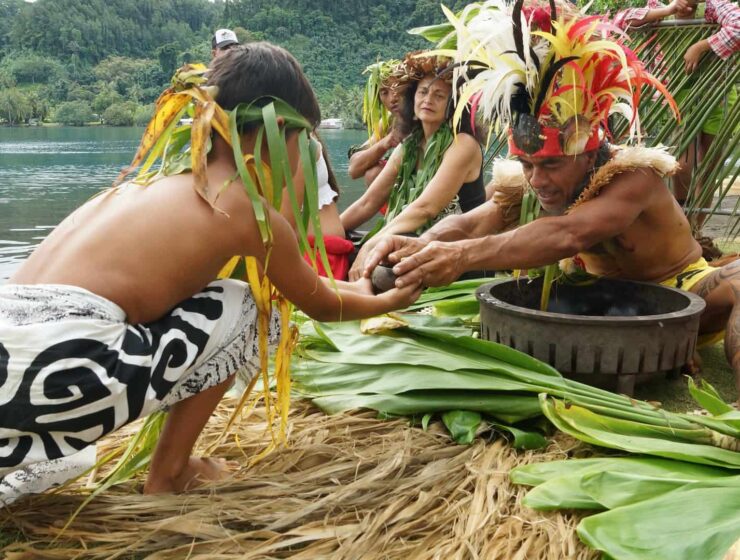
{"points": [[552, 77]]}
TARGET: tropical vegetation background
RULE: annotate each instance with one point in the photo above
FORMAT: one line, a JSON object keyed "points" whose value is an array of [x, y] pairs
{"points": [[82, 61]]}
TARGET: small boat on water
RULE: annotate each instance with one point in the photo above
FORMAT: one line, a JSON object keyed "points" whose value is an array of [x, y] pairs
{"points": [[331, 123]]}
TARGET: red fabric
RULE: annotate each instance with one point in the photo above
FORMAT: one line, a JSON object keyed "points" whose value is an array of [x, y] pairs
{"points": [[552, 147], [338, 251]]}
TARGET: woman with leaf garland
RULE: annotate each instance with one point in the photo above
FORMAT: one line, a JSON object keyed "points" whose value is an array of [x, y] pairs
{"points": [[433, 173], [117, 314]]}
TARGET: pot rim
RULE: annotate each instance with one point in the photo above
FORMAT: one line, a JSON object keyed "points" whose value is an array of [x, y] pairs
{"points": [[696, 306]]}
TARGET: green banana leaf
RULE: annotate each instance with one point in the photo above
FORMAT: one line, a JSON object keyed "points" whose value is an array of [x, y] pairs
{"points": [[456, 352], [465, 307], [540, 473], [341, 368], [607, 483], [453, 291], [507, 408], [604, 431], [521, 438], [708, 397], [462, 425], [699, 521], [319, 378], [565, 492], [617, 489]]}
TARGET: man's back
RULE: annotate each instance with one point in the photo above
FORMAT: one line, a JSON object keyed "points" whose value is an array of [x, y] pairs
{"points": [[145, 248]]}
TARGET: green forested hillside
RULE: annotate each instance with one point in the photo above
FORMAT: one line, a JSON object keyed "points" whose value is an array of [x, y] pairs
{"points": [[68, 60]]}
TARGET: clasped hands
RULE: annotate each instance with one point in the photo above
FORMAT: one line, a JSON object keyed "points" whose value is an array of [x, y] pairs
{"points": [[415, 260]]}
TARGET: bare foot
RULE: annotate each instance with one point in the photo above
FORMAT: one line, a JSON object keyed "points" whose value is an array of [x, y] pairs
{"points": [[197, 471]]}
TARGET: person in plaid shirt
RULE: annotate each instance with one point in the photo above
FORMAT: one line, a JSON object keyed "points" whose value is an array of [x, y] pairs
{"points": [[724, 43], [653, 11]]}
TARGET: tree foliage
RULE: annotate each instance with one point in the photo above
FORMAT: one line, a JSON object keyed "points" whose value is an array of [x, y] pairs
{"points": [[73, 113], [612, 6], [31, 68], [109, 51], [120, 114], [15, 107]]}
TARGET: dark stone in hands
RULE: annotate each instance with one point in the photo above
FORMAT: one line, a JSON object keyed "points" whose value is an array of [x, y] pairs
{"points": [[383, 279]]}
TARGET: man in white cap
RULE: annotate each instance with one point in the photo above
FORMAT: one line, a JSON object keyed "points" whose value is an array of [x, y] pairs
{"points": [[223, 39]]}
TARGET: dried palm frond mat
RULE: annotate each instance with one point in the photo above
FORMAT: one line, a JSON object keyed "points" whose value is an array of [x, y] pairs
{"points": [[349, 486]]}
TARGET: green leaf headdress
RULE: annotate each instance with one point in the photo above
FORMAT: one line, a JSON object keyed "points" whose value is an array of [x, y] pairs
{"points": [[184, 147], [178, 148], [384, 74]]}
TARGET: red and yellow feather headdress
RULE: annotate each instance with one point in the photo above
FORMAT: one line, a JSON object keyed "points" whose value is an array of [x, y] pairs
{"points": [[549, 72]]}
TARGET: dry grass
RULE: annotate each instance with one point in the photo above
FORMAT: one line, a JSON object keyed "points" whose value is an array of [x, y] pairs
{"points": [[348, 487]]}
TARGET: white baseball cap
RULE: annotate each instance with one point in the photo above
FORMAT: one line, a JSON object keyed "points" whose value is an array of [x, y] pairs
{"points": [[223, 38]]}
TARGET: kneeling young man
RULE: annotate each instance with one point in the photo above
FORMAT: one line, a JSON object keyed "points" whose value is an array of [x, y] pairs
{"points": [[117, 314]]}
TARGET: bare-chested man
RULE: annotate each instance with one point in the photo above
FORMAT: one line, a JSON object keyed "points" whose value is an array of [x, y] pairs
{"points": [[607, 208], [118, 314], [634, 229]]}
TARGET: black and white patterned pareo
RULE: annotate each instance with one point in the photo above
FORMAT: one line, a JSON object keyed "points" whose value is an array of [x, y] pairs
{"points": [[72, 370]]}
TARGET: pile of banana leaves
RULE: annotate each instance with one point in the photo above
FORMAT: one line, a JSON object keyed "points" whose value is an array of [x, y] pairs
{"points": [[684, 477]]}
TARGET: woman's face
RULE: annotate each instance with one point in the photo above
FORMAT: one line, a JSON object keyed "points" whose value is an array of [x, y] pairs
{"points": [[430, 100]]}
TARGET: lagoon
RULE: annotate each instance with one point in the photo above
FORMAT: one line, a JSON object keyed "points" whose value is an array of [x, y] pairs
{"points": [[46, 172]]}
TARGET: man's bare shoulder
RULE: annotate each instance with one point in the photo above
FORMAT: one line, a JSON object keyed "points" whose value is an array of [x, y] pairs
{"points": [[634, 186], [636, 179]]}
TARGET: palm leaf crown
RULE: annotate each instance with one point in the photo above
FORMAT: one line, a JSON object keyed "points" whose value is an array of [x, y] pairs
{"points": [[180, 148], [387, 73]]}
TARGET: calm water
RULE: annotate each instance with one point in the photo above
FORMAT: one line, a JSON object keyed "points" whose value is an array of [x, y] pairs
{"points": [[45, 173]]}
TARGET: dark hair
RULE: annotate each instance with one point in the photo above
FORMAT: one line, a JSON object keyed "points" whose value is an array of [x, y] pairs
{"points": [[407, 112], [246, 73]]}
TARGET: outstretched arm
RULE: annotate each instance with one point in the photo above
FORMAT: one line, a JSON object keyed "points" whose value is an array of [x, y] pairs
{"points": [[542, 242], [374, 197], [635, 17], [726, 41], [693, 55], [298, 282], [484, 220], [461, 162]]}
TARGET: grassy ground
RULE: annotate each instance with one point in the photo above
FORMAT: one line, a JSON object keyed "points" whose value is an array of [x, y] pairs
{"points": [[673, 392], [9, 536]]}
